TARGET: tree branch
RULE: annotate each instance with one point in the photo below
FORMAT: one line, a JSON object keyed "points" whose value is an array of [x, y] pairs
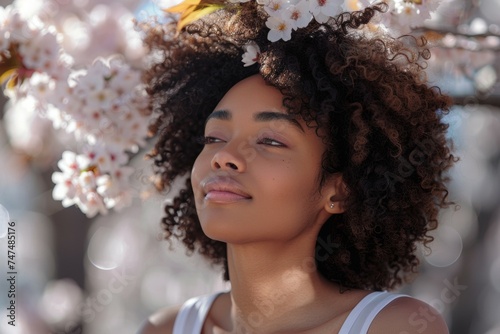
{"points": [[492, 100]]}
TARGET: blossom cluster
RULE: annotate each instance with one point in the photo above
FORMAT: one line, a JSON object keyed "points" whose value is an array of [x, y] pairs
{"points": [[288, 15], [27, 46], [105, 106], [102, 105], [95, 180], [285, 16], [404, 15]]}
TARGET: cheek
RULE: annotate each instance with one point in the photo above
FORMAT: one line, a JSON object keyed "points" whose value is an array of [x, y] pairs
{"points": [[287, 208], [289, 186], [198, 172], [200, 167]]}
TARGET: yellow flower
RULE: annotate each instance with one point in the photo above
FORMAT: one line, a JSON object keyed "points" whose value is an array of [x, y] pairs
{"points": [[192, 10]]}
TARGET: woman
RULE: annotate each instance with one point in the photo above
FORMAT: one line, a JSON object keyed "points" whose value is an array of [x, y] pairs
{"points": [[314, 171]]}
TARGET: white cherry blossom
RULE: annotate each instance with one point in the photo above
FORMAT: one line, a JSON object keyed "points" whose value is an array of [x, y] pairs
{"points": [[72, 164], [15, 26], [102, 98], [124, 81], [65, 187], [41, 86], [299, 14], [87, 180], [275, 7], [322, 10], [408, 14], [251, 55], [87, 82], [113, 184], [280, 28], [92, 204], [130, 129], [106, 158], [41, 52]]}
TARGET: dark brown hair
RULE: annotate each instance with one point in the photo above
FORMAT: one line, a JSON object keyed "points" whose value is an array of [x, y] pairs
{"points": [[381, 123]]}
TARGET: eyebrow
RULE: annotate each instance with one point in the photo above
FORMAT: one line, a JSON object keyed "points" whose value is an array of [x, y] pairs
{"points": [[262, 116], [219, 114]]}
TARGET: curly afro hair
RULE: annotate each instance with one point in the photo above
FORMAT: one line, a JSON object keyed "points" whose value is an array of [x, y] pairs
{"points": [[365, 93]]}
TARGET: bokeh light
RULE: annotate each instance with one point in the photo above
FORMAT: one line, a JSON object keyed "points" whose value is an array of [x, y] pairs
{"points": [[105, 250], [60, 301], [446, 247]]}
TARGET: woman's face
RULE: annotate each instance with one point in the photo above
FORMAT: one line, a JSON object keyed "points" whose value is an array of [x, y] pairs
{"points": [[256, 179]]}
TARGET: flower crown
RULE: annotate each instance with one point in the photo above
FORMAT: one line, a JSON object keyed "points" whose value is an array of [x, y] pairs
{"points": [[286, 16]]}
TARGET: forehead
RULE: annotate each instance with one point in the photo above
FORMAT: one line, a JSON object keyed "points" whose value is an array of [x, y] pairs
{"points": [[252, 93]]}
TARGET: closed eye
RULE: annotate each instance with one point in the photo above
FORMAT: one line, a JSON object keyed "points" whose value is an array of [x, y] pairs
{"points": [[205, 140], [270, 142]]}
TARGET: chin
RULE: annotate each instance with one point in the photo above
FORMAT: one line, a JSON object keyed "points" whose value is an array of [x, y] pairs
{"points": [[224, 230], [218, 230]]}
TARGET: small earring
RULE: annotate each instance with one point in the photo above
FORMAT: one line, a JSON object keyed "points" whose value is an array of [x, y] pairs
{"points": [[332, 205]]}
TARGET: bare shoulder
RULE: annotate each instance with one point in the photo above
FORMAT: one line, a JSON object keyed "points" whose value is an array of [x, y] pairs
{"points": [[161, 322], [409, 316]]}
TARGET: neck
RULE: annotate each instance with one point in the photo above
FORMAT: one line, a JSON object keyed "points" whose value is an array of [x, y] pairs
{"points": [[276, 286]]}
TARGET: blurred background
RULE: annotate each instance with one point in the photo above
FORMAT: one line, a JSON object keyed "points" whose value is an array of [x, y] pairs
{"points": [[107, 273]]}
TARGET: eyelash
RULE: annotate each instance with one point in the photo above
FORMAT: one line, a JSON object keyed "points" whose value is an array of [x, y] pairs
{"points": [[267, 141], [206, 140]]}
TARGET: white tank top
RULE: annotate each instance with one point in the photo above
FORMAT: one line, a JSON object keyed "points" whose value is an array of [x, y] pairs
{"points": [[192, 314]]}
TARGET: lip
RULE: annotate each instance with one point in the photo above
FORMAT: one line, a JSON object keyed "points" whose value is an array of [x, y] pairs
{"points": [[223, 190]]}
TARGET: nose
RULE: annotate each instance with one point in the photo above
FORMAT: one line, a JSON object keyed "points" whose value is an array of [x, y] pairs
{"points": [[225, 159]]}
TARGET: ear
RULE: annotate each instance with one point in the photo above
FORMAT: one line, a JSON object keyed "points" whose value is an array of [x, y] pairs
{"points": [[335, 192]]}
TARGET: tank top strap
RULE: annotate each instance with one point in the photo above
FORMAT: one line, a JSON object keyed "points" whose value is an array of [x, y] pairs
{"points": [[193, 313], [360, 318]]}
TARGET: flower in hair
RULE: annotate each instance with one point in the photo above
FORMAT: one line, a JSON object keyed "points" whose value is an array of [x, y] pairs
{"points": [[251, 55], [275, 7], [299, 14], [288, 15], [322, 10], [280, 28]]}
